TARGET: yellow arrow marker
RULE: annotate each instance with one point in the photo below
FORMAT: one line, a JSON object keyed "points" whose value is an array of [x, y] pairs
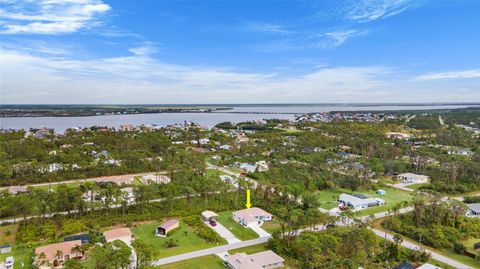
{"points": [[248, 199]]}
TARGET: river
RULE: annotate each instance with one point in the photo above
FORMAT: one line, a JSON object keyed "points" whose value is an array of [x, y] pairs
{"points": [[60, 124]]}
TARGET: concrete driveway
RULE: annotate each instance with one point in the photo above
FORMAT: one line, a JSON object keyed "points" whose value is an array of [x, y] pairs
{"points": [[223, 232], [261, 232]]}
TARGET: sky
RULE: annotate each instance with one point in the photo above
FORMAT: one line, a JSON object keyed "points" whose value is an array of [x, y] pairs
{"points": [[186, 52]]}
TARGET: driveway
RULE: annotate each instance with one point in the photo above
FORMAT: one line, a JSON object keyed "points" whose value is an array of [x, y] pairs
{"points": [[261, 232], [224, 232]]}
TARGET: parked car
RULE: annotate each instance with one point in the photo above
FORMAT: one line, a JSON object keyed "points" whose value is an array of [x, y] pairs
{"points": [[9, 263], [213, 223]]}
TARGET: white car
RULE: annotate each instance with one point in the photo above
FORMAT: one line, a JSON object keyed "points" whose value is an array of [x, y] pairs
{"points": [[9, 263]]}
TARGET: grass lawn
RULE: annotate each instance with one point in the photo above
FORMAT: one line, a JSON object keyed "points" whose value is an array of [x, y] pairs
{"points": [[417, 186], [328, 198], [392, 197], [188, 241], [205, 262], [24, 255], [469, 244], [240, 232], [271, 226]]}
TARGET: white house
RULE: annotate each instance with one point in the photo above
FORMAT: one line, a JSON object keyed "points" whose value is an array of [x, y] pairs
{"points": [[412, 178], [159, 179], [251, 216], [204, 141], [225, 147], [247, 167], [262, 166], [473, 210], [359, 201]]}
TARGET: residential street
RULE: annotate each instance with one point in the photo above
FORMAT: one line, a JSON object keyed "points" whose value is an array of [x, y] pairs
{"points": [[210, 251], [413, 246]]}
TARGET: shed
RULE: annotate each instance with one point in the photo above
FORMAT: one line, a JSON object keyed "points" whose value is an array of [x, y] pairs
{"points": [[5, 249], [166, 227], [381, 192], [209, 215]]}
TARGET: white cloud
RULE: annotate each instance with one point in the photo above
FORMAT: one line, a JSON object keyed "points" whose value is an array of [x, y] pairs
{"points": [[339, 37], [145, 50], [143, 79], [462, 74], [371, 10], [50, 16], [268, 28], [140, 78]]}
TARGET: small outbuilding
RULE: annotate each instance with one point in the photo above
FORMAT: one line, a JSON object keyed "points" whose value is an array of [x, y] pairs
{"points": [[5, 249], [209, 215], [166, 227], [381, 192]]}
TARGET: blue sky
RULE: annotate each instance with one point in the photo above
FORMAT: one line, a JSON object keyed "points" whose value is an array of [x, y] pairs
{"points": [[146, 51]]}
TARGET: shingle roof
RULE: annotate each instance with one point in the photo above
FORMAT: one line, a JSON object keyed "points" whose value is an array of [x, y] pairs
{"points": [[250, 214], [168, 224], [254, 261]]}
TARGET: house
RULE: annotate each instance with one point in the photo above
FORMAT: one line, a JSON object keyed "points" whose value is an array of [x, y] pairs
{"points": [[359, 201], [209, 215], [251, 216], [122, 234], [204, 141], [5, 249], [473, 210], [266, 259], [117, 180], [249, 168], [166, 227], [412, 178], [225, 147], [395, 135], [128, 195], [428, 266], [17, 190], [55, 255], [84, 238], [159, 179], [262, 166]]}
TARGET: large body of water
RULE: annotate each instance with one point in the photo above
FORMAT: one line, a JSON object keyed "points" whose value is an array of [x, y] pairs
{"points": [[60, 124]]}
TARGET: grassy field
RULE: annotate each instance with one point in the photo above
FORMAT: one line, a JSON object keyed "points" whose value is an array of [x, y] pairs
{"points": [[206, 262], [393, 196], [469, 243], [188, 241], [21, 255], [240, 232], [271, 226]]}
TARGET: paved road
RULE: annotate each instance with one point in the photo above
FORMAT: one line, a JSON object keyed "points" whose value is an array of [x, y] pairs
{"points": [[210, 251], [77, 180], [413, 246]]}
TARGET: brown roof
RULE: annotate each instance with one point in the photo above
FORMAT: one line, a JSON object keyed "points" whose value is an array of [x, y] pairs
{"points": [[51, 250], [168, 224], [117, 234]]}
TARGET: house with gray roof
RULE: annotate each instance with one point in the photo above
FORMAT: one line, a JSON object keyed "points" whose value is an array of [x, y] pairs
{"points": [[473, 210], [266, 259]]}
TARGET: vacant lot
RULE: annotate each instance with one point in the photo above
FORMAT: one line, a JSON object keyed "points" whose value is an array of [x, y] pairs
{"points": [[185, 236]]}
